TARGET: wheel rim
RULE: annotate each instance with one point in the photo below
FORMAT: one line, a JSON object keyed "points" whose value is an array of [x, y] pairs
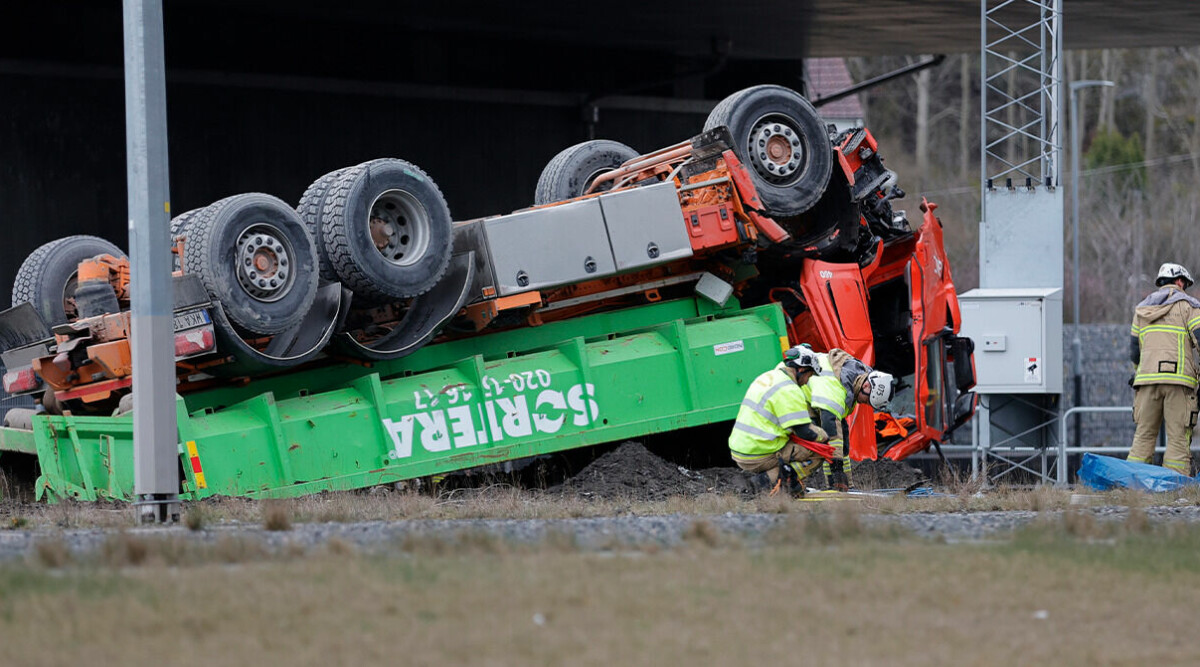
{"points": [[400, 227], [776, 150], [264, 262]]}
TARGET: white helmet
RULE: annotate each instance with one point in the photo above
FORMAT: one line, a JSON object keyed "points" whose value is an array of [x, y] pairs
{"points": [[1169, 273], [802, 358], [882, 389]]}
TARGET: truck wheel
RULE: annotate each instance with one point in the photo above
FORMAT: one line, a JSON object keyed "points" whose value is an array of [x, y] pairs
{"points": [[312, 202], [180, 220], [48, 276], [254, 255], [387, 230], [570, 173], [782, 141]]}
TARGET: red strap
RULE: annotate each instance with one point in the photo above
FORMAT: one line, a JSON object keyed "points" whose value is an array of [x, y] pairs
{"points": [[818, 448]]}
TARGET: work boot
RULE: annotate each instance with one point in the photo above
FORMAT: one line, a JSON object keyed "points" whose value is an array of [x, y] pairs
{"points": [[791, 481], [838, 481], [760, 483]]}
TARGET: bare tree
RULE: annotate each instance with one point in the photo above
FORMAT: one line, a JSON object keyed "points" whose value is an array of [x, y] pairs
{"points": [[922, 129], [964, 117]]}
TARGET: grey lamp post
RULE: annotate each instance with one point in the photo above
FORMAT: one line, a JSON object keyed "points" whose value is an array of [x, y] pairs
{"points": [[1076, 343], [155, 434]]}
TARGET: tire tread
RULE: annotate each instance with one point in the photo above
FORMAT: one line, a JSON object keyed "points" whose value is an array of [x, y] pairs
{"points": [[310, 208]]}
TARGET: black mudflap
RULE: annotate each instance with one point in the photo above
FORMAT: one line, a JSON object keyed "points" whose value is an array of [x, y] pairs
{"points": [[425, 317]]}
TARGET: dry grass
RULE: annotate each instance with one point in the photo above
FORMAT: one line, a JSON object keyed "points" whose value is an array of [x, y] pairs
{"points": [[196, 517], [276, 514], [506, 502], [878, 597]]}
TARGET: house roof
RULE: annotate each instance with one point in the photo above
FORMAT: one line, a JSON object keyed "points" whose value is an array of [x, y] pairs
{"points": [[827, 76]]}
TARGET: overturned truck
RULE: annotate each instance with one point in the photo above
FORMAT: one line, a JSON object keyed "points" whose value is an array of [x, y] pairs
{"points": [[365, 338]]}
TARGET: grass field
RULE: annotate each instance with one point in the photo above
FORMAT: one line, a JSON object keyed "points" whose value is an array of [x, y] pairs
{"points": [[1067, 590]]}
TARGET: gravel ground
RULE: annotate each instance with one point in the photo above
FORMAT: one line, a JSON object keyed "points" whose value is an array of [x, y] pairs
{"points": [[589, 534], [628, 472]]}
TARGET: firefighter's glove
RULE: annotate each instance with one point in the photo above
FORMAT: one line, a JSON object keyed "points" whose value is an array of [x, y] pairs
{"points": [[1131, 379]]}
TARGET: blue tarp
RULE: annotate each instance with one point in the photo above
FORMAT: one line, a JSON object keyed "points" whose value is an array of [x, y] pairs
{"points": [[1105, 472]]}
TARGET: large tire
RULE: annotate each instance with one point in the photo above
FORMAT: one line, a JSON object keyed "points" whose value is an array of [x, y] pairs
{"points": [[570, 173], [387, 230], [255, 256], [782, 141], [178, 222], [47, 277], [312, 202]]}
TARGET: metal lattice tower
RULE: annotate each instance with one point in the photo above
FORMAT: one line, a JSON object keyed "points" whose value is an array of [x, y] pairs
{"points": [[1020, 235], [1021, 67]]}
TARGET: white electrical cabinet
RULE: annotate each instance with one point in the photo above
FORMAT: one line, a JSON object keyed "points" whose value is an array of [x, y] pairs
{"points": [[1018, 339]]}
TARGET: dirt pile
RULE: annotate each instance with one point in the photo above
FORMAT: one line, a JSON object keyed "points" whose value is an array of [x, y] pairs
{"points": [[886, 474], [876, 475], [631, 471]]}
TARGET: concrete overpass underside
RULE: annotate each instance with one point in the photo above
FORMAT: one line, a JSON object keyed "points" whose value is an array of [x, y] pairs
{"points": [[267, 96]]}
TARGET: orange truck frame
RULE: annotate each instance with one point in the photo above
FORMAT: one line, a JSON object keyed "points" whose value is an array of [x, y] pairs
{"points": [[852, 273]]}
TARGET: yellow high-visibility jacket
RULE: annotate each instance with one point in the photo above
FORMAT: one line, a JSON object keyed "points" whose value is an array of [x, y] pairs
{"points": [[828, 392], [773, 404]]}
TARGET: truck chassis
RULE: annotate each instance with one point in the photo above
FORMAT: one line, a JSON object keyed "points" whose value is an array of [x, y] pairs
{"points": [[365, 339]]}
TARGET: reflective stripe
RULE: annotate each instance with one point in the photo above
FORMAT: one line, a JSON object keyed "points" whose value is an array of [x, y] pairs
{"points": [[1134, 330], [760, 408], [1181, 466], [830, 404], [1137, 459], [1152, 378], [738, 456], [791, 418], [772, 391], [781, 420], [1169, 328], [828, 394], [758, 433], [827, 468], [1194, 322]]}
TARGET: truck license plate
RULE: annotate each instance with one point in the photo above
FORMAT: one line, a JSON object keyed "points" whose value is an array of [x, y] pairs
{"points": [[192, 318]]}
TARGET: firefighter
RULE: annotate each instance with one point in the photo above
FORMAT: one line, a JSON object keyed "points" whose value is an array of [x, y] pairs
{"points": [[774, 409], [842, 383], [1166, 327]]}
